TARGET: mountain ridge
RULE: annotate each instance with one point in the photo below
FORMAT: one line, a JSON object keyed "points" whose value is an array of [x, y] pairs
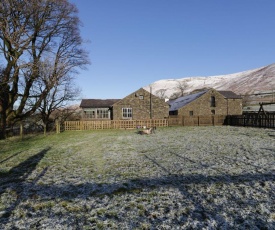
{"points": [[246, 82]]}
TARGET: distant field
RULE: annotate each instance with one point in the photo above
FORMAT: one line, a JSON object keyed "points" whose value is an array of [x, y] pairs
{"points": [[178, 178]]}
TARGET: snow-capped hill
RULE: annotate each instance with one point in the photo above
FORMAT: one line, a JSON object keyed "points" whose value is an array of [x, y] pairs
{"points": [[247, 82]]}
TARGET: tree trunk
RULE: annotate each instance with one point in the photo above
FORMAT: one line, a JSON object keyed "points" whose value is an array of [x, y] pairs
{"points": [[4, 102], [3, 116], [3, 125]]}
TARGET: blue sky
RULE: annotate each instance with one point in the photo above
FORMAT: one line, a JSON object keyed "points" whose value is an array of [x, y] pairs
{"points": [[133, 43]]}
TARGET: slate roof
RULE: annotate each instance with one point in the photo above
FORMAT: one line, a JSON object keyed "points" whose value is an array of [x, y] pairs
{"points": [[98, 103], [230, 95], [182, 101]]}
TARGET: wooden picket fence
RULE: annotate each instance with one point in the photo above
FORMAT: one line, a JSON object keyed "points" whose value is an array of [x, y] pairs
{"points": [[133, 124], [114, 124]]}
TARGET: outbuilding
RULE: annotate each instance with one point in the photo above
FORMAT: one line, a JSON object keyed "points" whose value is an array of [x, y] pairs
{"points": [[207, 102]]}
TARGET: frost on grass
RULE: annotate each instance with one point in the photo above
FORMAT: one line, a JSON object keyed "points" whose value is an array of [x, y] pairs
{"points": [[179, 178]]}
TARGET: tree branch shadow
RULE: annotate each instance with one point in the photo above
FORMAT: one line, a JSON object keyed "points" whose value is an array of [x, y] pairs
{"points": [[16, 178], [8, 158], [200, 212], [184, 183]]}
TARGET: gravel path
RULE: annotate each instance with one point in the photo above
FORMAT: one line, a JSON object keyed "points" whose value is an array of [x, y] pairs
{"points": [[177, 178]]}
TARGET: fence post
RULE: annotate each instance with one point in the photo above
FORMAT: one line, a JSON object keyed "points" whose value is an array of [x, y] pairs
{"points": [[21, 130], [44, 129], [57, 126]]}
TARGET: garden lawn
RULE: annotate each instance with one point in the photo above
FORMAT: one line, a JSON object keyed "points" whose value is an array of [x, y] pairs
{"points": [[178, 178]]}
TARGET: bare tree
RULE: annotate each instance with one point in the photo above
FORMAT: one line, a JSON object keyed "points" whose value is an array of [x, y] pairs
{"points": [[57, 100], [180, 89], [31, 32], [62, 90], [161, 93]]}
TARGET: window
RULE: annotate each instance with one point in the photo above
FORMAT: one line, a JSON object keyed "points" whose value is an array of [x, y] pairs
{"points": [[102, 113], [191, 113], [175, 112], [127, 113], [213, 112], [90, 114], [141, 97], [212, 102]]}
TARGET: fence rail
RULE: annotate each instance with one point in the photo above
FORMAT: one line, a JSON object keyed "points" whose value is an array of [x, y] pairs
{"points": [[132, 124], [249, 119], [114, 124], [253, 120]]}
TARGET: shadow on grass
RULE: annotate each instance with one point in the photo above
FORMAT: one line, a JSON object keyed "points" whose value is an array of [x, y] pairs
{"points": [[201, 211], [85, 190], [271, 150], [8, 158], [16, 177]]}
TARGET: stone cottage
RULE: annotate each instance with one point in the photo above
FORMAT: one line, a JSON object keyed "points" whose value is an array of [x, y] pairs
{"points": [[140, 105]]}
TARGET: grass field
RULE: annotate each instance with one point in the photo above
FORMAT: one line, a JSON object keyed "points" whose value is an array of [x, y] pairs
{"points": [[177, 178]]}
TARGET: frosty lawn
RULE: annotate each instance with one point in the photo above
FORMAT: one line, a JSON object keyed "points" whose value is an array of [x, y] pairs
{"points": [[212, 177]]}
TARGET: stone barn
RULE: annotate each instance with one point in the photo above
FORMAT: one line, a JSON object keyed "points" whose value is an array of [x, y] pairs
{"points": [[208, 102]]}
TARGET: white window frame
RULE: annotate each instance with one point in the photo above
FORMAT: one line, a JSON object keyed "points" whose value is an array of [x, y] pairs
{"points": [[102, 113], [127, 113], [97, 113], [90, 113]]}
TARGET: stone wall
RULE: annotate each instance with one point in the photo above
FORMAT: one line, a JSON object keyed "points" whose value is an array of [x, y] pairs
{"points": [[202, 105], [144, 106]]}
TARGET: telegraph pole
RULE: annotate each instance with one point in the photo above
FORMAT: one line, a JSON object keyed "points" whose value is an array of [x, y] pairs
{"points": [[151, 102]]}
